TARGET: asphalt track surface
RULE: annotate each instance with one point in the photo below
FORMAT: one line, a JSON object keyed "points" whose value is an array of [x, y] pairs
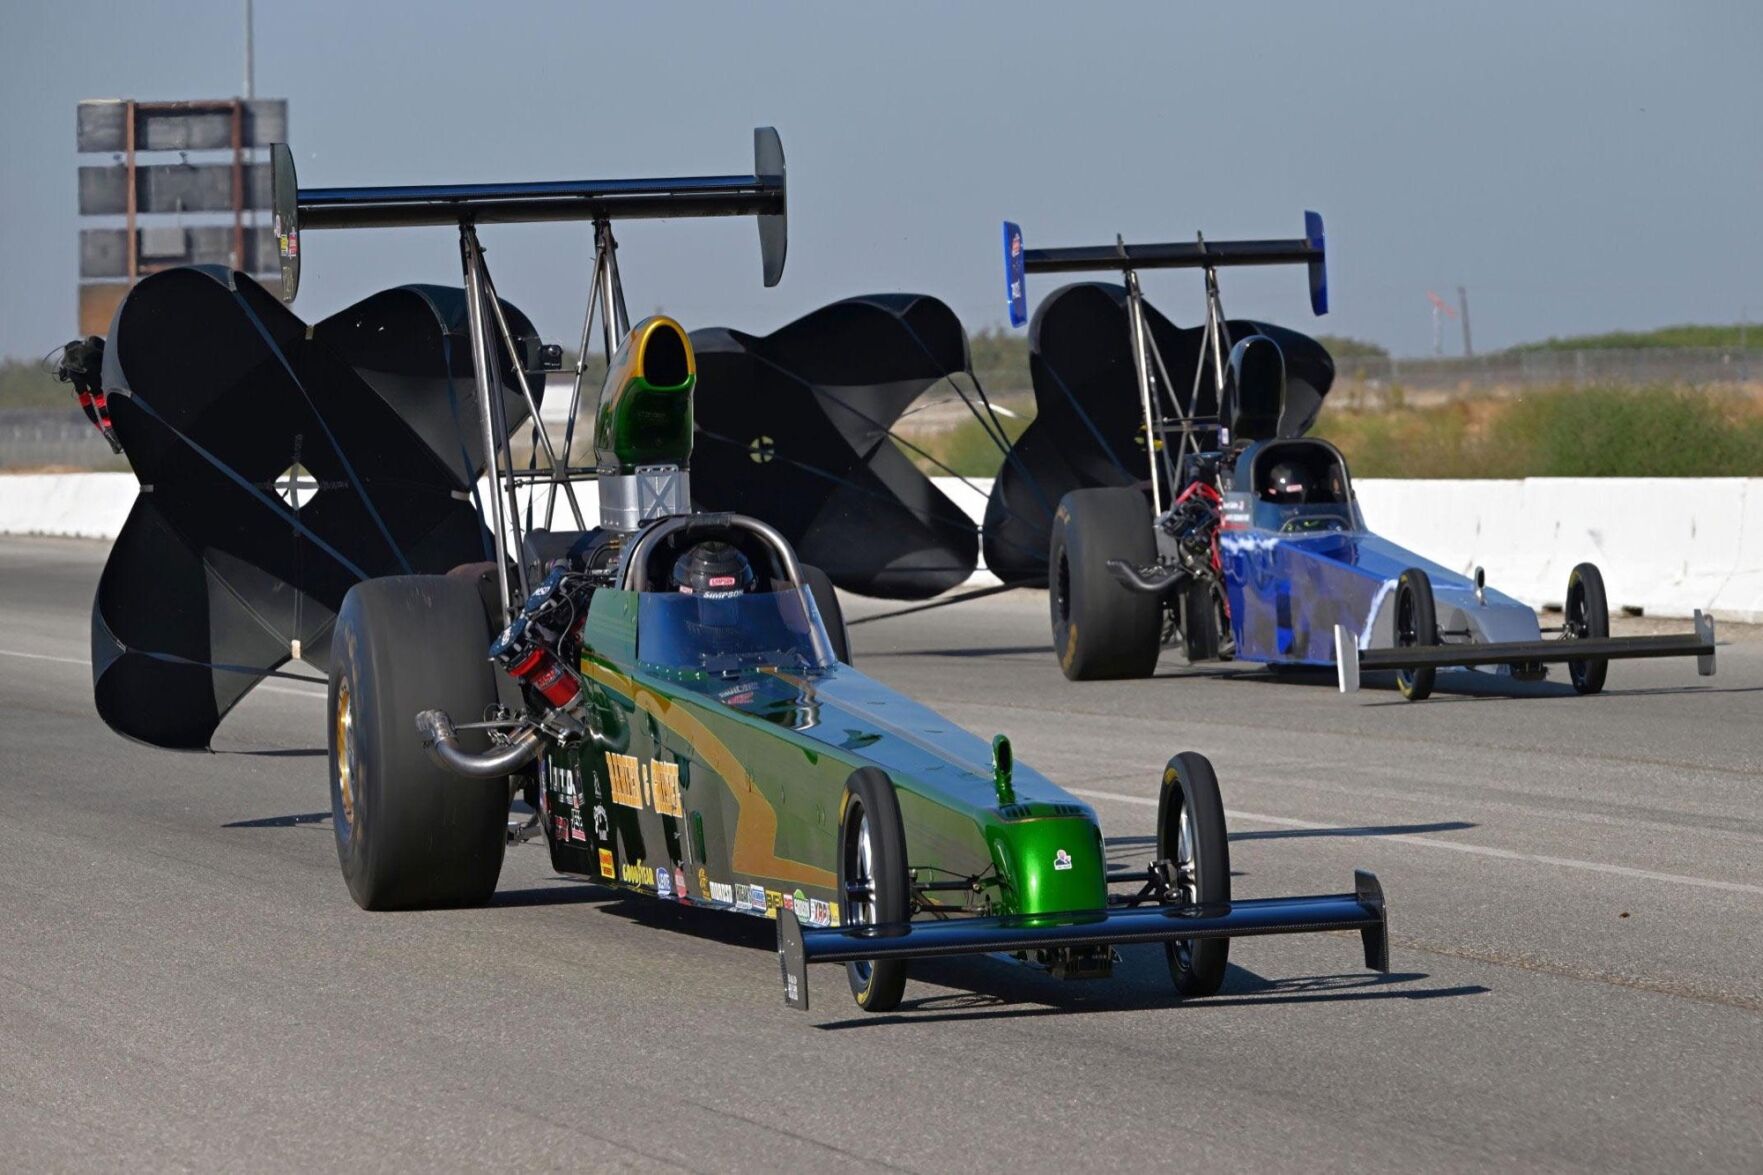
{"points": [[1576, 888]]}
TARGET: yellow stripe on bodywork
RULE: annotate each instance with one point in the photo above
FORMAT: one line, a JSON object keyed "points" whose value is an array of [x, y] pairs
{"points": [[755, 844]]}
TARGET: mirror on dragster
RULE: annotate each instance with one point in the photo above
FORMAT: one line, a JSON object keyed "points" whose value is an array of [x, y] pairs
{"points": [[280, 464]]}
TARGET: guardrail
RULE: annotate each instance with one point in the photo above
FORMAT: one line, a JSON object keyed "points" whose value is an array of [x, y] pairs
{"points": [[1667, 546]]}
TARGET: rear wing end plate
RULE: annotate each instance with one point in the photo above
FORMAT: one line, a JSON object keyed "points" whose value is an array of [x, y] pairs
{"points": [[1362, 910]]}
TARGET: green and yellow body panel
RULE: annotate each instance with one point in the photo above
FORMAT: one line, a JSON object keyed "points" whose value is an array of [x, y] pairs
{"points": [[727, 791]]}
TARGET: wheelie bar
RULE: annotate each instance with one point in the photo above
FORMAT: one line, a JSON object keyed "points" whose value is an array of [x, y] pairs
{"points": [[1362, 910], [1350, 660]]}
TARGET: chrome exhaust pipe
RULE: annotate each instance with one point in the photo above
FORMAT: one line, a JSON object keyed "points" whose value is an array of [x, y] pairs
{"points": [[442, 744]]}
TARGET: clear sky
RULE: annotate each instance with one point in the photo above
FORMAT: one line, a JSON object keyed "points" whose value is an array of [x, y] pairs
{"points": [[1579, 166]]}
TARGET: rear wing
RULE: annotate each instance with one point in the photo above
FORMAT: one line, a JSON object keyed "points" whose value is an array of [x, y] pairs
{"points": [[1308, 250], [760, 195]]}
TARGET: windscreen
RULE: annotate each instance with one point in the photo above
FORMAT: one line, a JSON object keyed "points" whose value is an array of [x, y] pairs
{"points": [[725, 637]]}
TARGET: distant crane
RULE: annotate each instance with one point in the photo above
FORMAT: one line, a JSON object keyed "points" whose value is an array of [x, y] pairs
{"points": [[1441, 310]]}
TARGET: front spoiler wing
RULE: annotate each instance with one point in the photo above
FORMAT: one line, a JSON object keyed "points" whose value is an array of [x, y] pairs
{"points": [[1351, 660], [1362, 910]]}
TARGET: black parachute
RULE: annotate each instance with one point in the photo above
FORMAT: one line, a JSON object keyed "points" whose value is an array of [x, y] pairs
{"points": [[279, 464], [794, 428], [1089, 425]]}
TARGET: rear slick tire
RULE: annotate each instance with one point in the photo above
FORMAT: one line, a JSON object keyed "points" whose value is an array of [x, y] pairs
{"points": [[1101, 628], [410, 834], [1191, 833], [873, 881], [1587, 617]]}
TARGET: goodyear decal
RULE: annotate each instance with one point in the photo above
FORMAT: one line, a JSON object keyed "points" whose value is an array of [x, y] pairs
{"points": [[638, 874]]}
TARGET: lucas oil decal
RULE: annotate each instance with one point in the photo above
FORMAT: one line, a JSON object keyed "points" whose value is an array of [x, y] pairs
{"points": [[636, 784]]}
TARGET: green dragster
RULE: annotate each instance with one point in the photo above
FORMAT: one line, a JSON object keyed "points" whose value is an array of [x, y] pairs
{"points": [[718, 749]]}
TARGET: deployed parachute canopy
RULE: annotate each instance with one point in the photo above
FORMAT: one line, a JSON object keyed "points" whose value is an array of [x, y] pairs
{"points": [[279, 464], [794, 428]]}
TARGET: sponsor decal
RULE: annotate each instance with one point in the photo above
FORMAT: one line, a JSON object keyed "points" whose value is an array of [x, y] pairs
{"points": [[1061, 860], [600, 823], [742, 901], [639, 785], [638, 874], [1235, 512], [832, 913], [818, 914], [559, 828], [756, 897], [800, 905], [663, 883], [703, 880], [575, 827], [627, 787], [681, 883], [774, 902], [665, 778], [722, 892], [606, 869]]}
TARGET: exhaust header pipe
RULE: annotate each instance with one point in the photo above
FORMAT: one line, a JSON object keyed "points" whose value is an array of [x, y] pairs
{"points": [[442, 744]]}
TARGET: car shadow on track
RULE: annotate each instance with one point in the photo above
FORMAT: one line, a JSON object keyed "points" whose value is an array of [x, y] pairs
{"points": [[995, 989]]}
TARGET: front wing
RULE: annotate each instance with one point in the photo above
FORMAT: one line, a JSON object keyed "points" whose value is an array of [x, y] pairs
{"points": [[1362, 910], [1350, 660]]}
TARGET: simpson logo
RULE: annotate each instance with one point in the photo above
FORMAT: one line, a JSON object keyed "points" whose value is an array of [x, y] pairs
{"points": [[606, 869], [665, 786], [722, 581], [627, 787], [1061, 860], [637, 875]]}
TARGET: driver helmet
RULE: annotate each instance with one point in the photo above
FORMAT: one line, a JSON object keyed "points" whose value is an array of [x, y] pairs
{"points": [[713, 570], [1285, 485]]}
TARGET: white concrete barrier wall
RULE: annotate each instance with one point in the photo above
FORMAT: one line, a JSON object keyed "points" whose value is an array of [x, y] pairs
{"points": [[1665, 545]]}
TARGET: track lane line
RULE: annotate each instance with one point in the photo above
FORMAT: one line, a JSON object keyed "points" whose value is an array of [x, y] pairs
{"points": [[266, 687], [1454, 846]]}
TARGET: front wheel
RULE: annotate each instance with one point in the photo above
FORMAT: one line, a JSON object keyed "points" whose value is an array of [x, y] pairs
{"points": [[411, 834], [1191, 835], [1588, 618], [1417, 626], [873, 880]]}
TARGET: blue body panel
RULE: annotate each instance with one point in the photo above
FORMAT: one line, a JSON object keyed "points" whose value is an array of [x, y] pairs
{"points": [[1288, 585]]}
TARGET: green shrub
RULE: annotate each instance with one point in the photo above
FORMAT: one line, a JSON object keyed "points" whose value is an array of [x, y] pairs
{"points": [[1593, 432]]}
